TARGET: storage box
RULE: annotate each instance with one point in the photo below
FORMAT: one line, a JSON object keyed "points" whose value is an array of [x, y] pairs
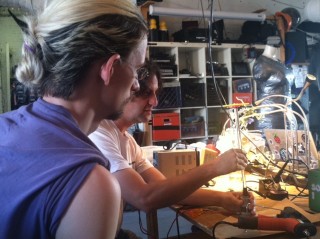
{"points": [[212, 96], [192, 129], [216, 120], [175, 162], [192, 94], [195, 34], [165, 126], [242, 85], [169, 96]]}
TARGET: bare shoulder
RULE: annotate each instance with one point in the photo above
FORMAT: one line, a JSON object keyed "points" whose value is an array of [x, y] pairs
{"points": [[94, 211]]}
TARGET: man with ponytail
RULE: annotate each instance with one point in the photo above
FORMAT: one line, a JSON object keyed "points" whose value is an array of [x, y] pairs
{"points": [[82, 56]]}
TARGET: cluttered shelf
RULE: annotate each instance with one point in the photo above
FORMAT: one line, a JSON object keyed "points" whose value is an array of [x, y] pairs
{"points": [[283, 154], [190, 90]]}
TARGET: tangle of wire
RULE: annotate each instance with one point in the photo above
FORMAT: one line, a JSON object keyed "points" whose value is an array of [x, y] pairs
{"points": [[142, 229], [177, 224]]}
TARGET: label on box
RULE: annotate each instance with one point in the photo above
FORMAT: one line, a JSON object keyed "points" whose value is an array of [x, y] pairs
{"points": [[242, 98], [242, 85]]}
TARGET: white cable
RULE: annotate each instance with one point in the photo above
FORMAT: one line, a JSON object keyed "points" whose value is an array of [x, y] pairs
{"points": [[258, 102], [306, 124]]}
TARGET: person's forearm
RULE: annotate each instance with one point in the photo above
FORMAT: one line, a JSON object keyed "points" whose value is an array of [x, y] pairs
{"points": [[157, 193], [173, 190], [204, 197]]}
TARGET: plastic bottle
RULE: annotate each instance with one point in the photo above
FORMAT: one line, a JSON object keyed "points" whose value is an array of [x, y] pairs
{"points": [[163, 32], [153, 31]]}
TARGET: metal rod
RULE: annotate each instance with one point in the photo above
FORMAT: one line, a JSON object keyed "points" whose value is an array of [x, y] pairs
{"points": [[180, 12], [237, 125]]}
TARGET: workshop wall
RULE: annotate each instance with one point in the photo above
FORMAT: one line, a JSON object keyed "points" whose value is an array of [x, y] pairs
{"points": [[9, 33]]}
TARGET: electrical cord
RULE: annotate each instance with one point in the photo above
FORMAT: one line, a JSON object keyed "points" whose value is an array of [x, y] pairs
{"points": [[221, 98], [255, 191], [300, 193], [177, 224], [176, 220], [281, 109], [211, 183], [291, 195], [293, 172], [291, 175], [171, 227], [273, 163], [171, 145], [142, 229], [296, 182], [297, 185]]}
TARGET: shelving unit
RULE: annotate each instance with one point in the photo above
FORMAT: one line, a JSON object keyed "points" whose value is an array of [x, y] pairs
{"points": [[189, 89]]}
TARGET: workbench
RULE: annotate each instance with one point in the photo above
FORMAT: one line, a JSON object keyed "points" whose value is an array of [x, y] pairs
{"points": [[205, 218]]}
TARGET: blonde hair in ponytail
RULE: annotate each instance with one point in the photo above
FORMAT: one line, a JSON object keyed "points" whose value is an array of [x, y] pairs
{"points": [[67, 36]]}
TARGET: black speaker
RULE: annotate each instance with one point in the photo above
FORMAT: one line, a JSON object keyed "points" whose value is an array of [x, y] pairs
{"points": [[296, 47]]}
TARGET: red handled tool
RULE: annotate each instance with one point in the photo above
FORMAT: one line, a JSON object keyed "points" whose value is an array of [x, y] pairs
{"points": [[289, 220]]}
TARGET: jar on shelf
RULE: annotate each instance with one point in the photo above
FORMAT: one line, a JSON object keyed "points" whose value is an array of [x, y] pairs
{"points": [[153, 31], [163, 32]]}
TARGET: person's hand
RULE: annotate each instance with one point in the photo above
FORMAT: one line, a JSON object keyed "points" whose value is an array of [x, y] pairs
{"points": [[233, 202], [230, 161]]}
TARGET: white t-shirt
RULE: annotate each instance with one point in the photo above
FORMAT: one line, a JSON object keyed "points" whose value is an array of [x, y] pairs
{"points": [[120, 149]]}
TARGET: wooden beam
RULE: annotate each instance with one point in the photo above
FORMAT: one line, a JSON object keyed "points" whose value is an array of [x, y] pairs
{"points": [[152, 224]]}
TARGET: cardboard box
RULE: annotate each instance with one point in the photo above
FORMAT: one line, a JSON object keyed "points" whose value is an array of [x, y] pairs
{"points": [[175, 162], [165, 126]]}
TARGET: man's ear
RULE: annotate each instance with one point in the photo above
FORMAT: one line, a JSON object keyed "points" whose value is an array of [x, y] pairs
{"points": [[107, 68]]}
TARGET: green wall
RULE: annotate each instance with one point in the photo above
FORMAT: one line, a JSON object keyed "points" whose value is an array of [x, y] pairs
{"points": [[9, 34]]}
